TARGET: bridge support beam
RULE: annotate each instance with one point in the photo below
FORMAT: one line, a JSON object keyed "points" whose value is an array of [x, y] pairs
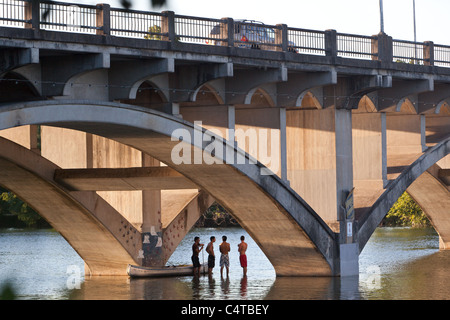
{"points": [[151, 214], [122, 179]]}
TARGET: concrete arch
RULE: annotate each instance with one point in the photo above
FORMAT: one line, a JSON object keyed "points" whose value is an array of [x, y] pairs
{"points": [[406, 105], [208, 88], [371, 220], [17, 87], [253, 98], [76, 218], [443, 107], [366, 105], [155, 82], [309, 96], [434, 199], [289, 232]]}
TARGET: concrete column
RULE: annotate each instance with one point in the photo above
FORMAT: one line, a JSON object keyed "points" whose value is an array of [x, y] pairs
{"points": [[32, 14], [231, 124], [151, 221], [26, 136], [404, 134], [283, 144], [311, 160], [349, 250], [227, 32], [168, 26], [103, 19], [258, 133], [428, 53], [331, 43], [369, 158]]}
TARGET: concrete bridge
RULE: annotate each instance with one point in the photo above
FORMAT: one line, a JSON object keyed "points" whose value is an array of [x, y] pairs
{"points": [[122, 127]]}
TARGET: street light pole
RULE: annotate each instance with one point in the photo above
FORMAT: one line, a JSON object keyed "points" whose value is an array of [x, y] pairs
{"points": [[414, 16], [415, 38], [381, 17]]}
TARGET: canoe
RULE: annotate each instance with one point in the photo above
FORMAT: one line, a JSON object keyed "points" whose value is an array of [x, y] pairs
{"points": [[167, 271]]}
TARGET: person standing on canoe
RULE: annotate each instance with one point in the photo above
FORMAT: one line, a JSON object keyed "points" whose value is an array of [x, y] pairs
{"points": [[211, 256], [242, 248], [224, 248], [196, 248]]}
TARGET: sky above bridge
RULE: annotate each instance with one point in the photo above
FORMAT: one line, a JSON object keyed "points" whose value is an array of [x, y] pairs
{"points": [[346, 16]]}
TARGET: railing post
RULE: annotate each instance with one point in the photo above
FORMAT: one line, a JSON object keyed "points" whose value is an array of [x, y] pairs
{"points": [[168, 26], [428, 53], [382, 48], [281, 38], [227, 32], [103, 19], [32, 14], [331, 43]]}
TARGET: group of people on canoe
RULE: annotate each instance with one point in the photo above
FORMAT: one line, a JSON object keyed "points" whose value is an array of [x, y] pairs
{"points": [[224, 249]]}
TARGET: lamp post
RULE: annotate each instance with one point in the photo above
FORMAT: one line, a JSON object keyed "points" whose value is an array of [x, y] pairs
{"points": [[415, 38], [381, 17]]}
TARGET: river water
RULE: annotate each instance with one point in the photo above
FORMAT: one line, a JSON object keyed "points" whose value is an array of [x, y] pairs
{"points": [[396, 264]]}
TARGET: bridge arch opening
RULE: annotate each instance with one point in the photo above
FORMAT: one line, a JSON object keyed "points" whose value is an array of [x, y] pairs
{"points": [[406, 106], [365, 105], [207, 94], [411, 178], [443, 108], [294, 217], [15, 87], [148, 95], [259, 97], [308, 101]]}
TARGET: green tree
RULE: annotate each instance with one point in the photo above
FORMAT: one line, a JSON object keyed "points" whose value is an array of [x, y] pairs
{"points": [[406, 212], [11, 204], [154, 33]]}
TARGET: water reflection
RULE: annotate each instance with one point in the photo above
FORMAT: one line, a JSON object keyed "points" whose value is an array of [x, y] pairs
{"points": [[209, 288], [182, 288], [397, 264]]}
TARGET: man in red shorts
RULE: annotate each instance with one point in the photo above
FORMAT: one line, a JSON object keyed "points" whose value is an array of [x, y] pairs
{"points": [[242, 247]]}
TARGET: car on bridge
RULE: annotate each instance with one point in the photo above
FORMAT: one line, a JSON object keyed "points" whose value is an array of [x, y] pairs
{"points": [[250, 34]]}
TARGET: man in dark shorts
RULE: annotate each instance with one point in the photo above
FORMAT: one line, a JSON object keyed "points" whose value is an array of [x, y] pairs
{"points": [[196, 248], [211, 256], [242, 248]]}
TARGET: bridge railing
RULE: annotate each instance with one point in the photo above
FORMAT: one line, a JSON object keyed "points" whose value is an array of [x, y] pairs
{"points": [[355, 46], [131, 23], [68, 18], [101, 19], [440, 55], [12, 13], [409, 52], [307, 41]]}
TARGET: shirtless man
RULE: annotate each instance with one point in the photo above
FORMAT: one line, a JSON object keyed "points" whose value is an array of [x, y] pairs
{"points": [[211, 256], [242, 248], [224, 248], [196, 248]]}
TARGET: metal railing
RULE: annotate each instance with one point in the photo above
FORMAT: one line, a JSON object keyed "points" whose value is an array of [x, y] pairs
{"points": [[136, 24], [12, 13], [307, 41], [441, 56], [167, 26], [355, 46], [68, 18], [195, 29], [408, 52]]}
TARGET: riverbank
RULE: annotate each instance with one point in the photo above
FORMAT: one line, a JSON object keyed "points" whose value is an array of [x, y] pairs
{"points": [[15, 214]]}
